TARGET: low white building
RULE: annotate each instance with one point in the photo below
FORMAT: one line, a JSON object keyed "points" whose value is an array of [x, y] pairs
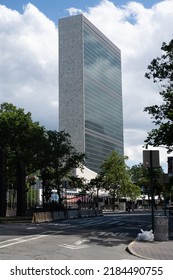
{"points": [[86, 173]]}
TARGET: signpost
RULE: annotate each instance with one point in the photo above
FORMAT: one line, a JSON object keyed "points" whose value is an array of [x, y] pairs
{"points": [[164, 180], [170, 166], [150, 161]]}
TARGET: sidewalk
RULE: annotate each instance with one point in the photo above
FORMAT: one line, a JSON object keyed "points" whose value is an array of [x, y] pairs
{"points": [[156, 250]]}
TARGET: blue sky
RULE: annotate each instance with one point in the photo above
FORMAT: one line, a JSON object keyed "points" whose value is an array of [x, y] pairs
{"points": [[29, 57], [55, 9]]}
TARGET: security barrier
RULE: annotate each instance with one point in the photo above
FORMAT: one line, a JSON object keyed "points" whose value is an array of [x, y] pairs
{"points": [[48, 216], [72, 214], [59, 215], [38, 217], [99, 212], [41, 217]]}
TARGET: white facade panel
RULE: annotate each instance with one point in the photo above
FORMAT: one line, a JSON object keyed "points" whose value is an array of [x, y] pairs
{"points": [[71, 96]]}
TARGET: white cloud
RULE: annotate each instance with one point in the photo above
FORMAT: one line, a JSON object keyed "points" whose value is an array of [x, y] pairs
{"points": [[73, 11], [29, 61]]}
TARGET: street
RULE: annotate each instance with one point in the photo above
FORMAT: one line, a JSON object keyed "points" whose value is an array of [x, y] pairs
{"points": [[98, 238]]}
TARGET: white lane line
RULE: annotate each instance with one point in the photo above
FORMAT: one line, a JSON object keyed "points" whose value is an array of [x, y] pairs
{"points": [[26, 238], [9, 240], [22, 240]]}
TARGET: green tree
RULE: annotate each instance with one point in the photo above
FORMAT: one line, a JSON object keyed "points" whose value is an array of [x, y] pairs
{"points": [[115, 175], [133, 192], [22, 140], [61, 157], [94, 186], [141, 176], [161, 71]]}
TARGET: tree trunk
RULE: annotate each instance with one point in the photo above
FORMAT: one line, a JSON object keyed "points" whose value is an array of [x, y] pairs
{"points": [[3, 190]]}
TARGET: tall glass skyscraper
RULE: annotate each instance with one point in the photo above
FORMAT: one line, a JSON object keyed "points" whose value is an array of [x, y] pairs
{"points": [[90, 90]]}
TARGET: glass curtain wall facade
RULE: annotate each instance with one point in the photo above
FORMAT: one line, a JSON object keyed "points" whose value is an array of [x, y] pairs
{"points": [[101, 94]]}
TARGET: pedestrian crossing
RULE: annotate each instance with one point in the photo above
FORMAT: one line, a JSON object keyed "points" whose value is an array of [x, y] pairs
{"points": [[112, 224], [87, 222]]}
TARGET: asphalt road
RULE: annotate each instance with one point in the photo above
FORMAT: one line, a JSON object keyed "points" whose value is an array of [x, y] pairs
{"points": [[93, 238]]}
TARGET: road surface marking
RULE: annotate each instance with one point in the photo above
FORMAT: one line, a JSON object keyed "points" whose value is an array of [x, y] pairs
{"points": [[73, 247], [21, 240], [27, 238], [77, 245]]}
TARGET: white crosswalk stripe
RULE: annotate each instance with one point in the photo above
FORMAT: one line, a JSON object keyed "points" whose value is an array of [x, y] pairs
{"points": [[86, 223]]}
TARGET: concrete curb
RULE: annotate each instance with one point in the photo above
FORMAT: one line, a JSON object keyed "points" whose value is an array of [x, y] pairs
{"points": [[132, 251]]}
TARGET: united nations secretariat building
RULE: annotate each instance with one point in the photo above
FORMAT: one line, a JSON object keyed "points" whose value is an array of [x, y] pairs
{"points": [[90, 90]]}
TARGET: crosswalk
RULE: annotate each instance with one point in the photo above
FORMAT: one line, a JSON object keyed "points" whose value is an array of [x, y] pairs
{"points": [[90, 222], [86, 222], [98, 223], [75, 224]]}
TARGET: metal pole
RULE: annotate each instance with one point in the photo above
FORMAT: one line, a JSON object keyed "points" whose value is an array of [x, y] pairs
{"points": [[152, 191], [164, 203]]}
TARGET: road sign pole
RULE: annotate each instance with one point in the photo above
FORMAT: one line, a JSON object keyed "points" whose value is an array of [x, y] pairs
{"points": [[150, 161], [152, 190]]}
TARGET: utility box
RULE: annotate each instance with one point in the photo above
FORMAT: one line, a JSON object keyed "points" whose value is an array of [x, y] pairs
{"points": [[161, 228]]}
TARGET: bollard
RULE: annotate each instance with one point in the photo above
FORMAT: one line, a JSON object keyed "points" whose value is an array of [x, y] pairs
{"points": [[161, 228]]}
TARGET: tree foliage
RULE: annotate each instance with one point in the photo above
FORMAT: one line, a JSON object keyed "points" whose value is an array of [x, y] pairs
{"points": [[161, 71], [59, 158], [21, 138], [116, 177], [141, 176], [133, 191]]}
